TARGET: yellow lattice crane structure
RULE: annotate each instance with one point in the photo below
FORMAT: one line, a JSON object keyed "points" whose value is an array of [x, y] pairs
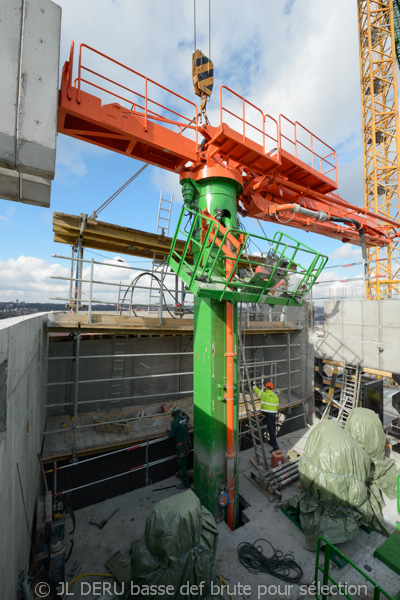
{"points": [[380, 120]]}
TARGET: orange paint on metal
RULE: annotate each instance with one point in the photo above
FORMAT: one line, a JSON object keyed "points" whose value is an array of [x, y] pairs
{"points": [[133, 123], [230, 415]]}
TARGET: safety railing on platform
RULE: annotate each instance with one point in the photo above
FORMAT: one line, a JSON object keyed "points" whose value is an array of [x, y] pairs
{"points": [[308, 147], [329, 587], [137, 102], [126, 292], [336, 283], [146, 466], [252, 123], [220, 268], [130, 296]]}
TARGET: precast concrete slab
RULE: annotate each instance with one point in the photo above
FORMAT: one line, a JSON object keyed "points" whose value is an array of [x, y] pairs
{"points": [[30, 48]]}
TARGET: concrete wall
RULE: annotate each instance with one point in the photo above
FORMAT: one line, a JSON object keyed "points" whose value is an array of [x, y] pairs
{"points": [[23, 365], [30, 49], [361, 332], [154, 372]]}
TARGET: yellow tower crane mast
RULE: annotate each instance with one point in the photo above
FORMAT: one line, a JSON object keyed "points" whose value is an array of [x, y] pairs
{"points": [[380, 137]]}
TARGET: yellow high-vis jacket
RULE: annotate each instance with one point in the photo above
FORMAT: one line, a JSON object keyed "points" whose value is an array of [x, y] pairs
{"points": [[269, 400]]}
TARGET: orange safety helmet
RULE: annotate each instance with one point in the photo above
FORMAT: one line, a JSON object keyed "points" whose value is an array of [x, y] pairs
{"points": [[269, 385]]}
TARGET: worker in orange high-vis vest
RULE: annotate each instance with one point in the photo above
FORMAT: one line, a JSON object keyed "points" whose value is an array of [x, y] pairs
{"points": [[269, 410]]}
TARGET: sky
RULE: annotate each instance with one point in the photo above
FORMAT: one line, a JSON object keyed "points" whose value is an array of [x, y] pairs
{"points": [[295, 57]]}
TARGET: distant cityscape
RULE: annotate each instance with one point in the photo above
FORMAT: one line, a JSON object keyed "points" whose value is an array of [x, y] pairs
{"points": [[18, 308]]}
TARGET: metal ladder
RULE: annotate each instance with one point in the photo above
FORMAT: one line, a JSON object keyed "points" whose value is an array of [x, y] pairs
{"points": [[164, 215], [252, 417], [117, 371], [350, 392], [162, 228]]}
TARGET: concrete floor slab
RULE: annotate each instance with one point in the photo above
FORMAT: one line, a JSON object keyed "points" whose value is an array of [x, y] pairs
{"points": [[93, 547]]}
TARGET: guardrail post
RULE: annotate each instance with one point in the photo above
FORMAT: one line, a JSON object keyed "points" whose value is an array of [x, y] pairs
{"points": [[76, 395], [90, 291]]}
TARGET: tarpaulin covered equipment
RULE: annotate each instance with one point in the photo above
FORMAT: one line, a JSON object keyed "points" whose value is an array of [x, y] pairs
{"points": [[177, 549], [337, 493], [364, 426]]}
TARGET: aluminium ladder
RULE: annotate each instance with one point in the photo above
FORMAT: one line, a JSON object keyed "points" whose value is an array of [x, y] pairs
{"points": [[162, 229], [252, 416], [350, 392]]}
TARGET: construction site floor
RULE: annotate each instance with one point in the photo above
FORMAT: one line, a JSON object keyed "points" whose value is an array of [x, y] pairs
{"points": [[94, 547]]}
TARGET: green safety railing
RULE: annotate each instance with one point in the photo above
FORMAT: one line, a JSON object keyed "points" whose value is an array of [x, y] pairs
{"points": [[322, 587], [202, 264], [398, 495]]}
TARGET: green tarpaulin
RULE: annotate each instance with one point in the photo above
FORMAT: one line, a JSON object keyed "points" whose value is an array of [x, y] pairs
{"points": [[177, 550], [342, 473]]}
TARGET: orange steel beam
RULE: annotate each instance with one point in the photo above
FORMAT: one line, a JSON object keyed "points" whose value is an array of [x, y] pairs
{"points": [[275, 161], [230, 413]]}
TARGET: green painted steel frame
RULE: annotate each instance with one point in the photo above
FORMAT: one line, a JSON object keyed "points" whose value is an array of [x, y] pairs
{"points": [[327, 579], [208, 259]]}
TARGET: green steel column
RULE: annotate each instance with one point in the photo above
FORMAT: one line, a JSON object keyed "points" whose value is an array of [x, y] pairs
{"points": [[209, 361]]}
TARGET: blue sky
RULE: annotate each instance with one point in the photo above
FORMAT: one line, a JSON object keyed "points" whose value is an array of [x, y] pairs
{"points": [[296, 58]]}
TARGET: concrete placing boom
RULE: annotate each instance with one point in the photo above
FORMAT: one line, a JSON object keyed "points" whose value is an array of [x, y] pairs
{"points": [[223, 170], [134, 122]]}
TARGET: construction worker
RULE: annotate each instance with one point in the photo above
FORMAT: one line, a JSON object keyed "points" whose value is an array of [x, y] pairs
{"points": [[180, 433], [269, 409]]}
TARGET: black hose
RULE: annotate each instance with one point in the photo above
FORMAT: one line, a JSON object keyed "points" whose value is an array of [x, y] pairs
{"points": [[282, 566]]}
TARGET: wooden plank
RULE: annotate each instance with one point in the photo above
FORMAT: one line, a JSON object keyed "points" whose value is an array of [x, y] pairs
{"points": [[365, 369]]}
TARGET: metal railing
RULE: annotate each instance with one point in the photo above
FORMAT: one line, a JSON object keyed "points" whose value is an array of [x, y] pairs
{"points": [[147, 464], [87, 293], [322, 591], [137, 102], [337, 288], [248, 128], [325, 164], [83, 290]]}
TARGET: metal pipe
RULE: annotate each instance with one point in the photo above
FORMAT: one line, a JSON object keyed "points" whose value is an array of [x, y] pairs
{"points": [[87, 425], [90, 293], [277, 477], [282, 467], [138, 306], [76, 394], [230, 415], [288, 368], [59, 404], [121, 355], [86, 460], [285, 482], [80, 487], [96, 262], [122, 378], [271, 346]]}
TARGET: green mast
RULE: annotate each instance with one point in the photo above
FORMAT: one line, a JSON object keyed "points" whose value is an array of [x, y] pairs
{"points": [[217, 195]]}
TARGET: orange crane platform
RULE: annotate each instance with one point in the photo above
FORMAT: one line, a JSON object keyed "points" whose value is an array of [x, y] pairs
{"points": [[286, 173]]}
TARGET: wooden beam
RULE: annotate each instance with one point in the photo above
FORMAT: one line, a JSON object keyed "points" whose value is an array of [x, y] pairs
{"points": [[99, 235]]}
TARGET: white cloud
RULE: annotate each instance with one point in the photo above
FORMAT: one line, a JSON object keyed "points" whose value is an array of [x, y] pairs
{"points": [[72, 155], [347, 253], [30, 279]]}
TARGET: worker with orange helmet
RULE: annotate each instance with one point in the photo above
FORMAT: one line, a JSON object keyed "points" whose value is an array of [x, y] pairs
{"points": [[269, 410]]}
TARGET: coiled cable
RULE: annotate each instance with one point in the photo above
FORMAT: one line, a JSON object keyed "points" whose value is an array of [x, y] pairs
{"points": [[282, 566]]}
